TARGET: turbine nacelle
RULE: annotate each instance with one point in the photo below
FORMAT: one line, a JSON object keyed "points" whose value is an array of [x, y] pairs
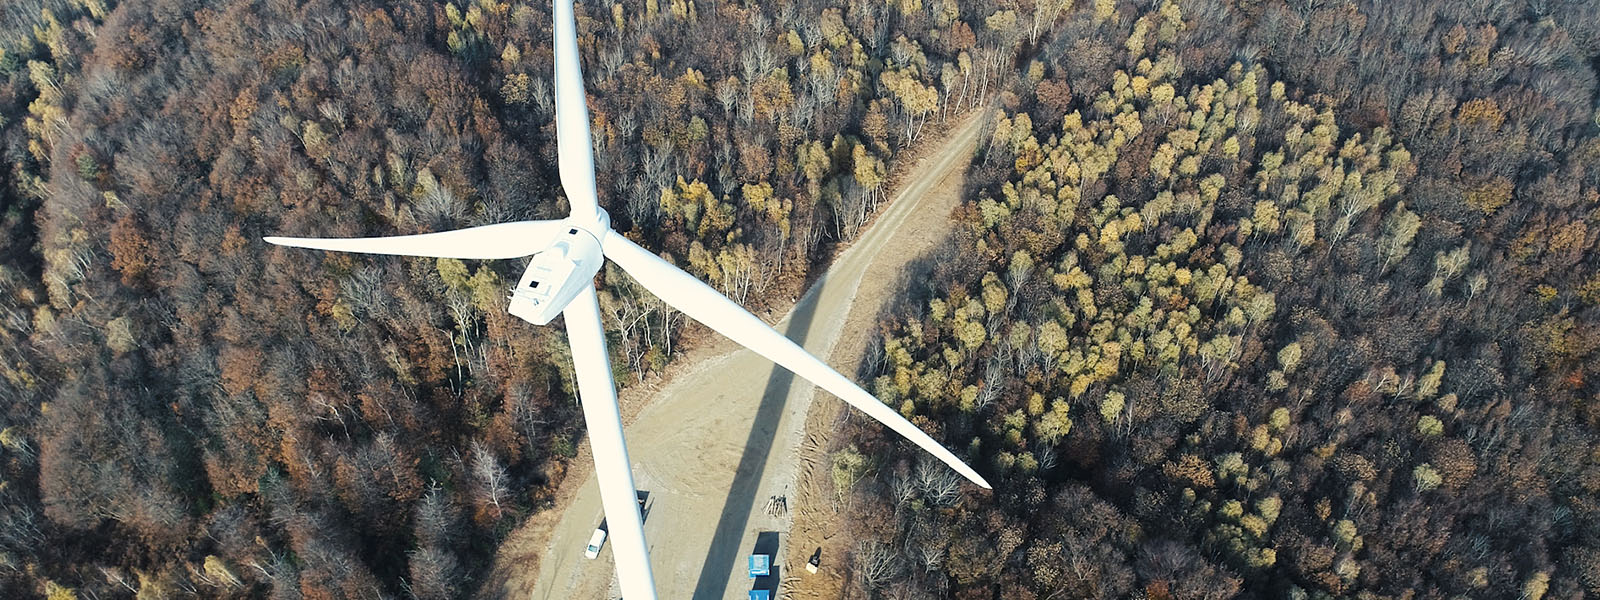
{"points": [[556, 274]]}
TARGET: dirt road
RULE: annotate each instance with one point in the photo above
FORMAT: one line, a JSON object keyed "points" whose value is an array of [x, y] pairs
{"points": [[723, 437]]}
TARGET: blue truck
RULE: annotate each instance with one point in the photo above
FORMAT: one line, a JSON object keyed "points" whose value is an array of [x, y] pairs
{"points": [[763, 573], [760, 567]]}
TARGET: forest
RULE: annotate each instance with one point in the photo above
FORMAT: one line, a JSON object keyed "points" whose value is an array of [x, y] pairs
{"points": [[1258, 300], [1250, 298], [189, 412]]}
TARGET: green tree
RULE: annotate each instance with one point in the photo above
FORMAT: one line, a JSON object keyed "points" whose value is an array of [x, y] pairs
{"points": [[1055, 424], [1399, 228], [849, 466]]}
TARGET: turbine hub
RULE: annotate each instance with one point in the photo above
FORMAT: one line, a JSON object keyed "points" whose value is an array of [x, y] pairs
{"points": [[597, 224]]}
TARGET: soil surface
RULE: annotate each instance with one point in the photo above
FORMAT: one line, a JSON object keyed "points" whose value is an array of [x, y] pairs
{"points": [[725, 431]]}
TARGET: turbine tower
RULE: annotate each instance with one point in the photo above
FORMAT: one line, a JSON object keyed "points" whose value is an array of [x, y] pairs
{"points": [[559, 279]]}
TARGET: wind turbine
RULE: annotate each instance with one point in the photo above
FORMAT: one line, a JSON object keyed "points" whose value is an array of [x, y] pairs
{"points": [[560, 280]]}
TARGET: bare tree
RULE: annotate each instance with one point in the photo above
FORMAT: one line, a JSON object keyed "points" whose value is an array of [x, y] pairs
{"points": [[435, 574], [727, 93], [493, 482], [658, 165], [929, 556], [644, 202], [994, 382], [627, 124], [903, 488], [543, 97], [939, 485], [611, 59], [876, 565], [364, 290], [436, 519]]}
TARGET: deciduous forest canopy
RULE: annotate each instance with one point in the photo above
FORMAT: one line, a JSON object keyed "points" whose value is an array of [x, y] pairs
{"points": [[1248, 298], [190, 411], [1276, 300]]}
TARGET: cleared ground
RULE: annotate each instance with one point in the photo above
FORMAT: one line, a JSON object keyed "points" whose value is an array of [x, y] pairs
{"points": [[723, 436]]}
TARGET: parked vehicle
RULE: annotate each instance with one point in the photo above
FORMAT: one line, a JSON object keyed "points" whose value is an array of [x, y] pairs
{"points": [[759, 562], [596, 541], [760, 565]]}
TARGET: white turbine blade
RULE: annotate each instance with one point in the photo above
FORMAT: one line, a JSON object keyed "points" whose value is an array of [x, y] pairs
{"points": [[611, 466], [576, 154], [704, 304], [503, 240]]}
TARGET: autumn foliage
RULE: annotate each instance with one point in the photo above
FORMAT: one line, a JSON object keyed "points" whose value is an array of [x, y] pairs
{"points": [[191, 412], [1263, 300]]}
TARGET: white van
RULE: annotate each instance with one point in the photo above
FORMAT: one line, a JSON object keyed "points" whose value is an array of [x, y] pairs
{"points": [[595, 542]]}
